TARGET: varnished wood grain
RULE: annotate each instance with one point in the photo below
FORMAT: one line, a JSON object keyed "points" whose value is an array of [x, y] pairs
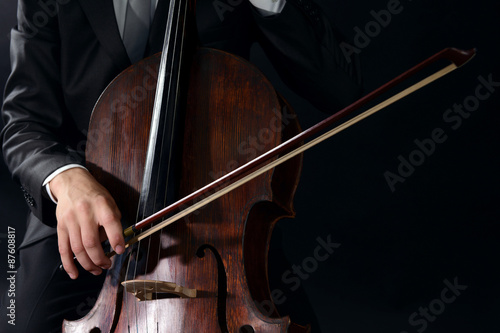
{"points": [[227, 123]]}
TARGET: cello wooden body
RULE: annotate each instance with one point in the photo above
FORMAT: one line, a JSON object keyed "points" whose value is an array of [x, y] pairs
{"points": [[232, 114]]}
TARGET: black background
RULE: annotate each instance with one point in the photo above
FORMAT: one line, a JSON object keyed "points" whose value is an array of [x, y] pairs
{"points": [[396, 247]]}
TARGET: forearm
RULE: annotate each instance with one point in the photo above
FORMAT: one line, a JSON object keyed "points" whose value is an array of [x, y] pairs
{"points": [[33, 111]]}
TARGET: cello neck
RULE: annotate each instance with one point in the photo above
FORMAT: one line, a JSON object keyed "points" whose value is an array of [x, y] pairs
{"points": [[158, 186]]}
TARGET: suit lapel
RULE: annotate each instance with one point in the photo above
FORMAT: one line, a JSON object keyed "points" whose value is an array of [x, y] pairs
{"points": [[101, 15], [158, 27]]}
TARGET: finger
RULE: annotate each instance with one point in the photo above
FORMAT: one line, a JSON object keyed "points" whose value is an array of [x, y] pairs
{"points": [[75, 238], [92, 244], [66, 254], [108, 217]]}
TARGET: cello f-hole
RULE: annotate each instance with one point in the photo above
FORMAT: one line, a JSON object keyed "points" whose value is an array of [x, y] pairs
{"points": [[221, 285], [246, 329]]}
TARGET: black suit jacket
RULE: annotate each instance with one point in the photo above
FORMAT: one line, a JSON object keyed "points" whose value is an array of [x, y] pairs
{"points": [[62, 59]]}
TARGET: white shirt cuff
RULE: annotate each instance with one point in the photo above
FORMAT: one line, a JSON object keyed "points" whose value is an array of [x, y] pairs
{"points": [[268, 7], [54, 174]]}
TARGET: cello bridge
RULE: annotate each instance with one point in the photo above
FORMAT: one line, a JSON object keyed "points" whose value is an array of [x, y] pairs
{"points": [[143, 290]]}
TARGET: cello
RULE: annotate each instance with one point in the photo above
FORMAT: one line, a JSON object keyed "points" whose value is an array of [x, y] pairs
{"points": [[206, 272]]}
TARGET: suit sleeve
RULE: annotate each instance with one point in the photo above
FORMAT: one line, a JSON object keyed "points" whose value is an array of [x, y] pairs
{"points": [[33, 139], [302, 46]]}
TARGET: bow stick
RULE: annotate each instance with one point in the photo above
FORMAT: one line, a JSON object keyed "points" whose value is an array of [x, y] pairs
{"points": [[258, 166]]}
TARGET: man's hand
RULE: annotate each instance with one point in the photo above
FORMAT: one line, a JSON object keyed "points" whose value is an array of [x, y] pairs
{"points": [[86, 216]]}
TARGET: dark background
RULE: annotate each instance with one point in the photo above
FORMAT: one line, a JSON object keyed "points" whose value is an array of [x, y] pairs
{"points": [[396, 248]]}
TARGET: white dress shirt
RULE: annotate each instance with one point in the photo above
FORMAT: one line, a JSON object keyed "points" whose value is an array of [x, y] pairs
{"points": [[269, 7], [265, 7]]}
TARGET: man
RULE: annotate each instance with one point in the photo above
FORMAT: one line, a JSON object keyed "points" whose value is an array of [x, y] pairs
{"points": [[64, 53]]}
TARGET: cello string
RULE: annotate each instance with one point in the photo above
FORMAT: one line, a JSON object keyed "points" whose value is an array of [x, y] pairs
{"points": [[172, 95], [158, 100], [179, 42], [162, 148], [290, 155], [168, 132]]}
